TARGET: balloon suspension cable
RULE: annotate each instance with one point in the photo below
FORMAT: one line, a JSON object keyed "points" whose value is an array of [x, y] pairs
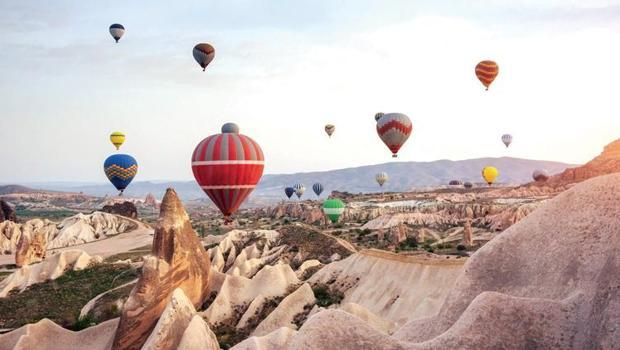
{"points": [[487, 89], [120, 194], [204, 69]]}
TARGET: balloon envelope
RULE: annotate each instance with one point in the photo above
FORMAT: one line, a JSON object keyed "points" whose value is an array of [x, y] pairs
{"points": [[394, 130], [227, 167], [299, 189], [489, 174], [203, 54], [507, 139], [381, 178], [487, 71], [333, 208], [289, 191], [120, 169], [117, 138], [317, 188], [540, 175], [455, 183], [329, 129], [117, 31], [468, 185]]}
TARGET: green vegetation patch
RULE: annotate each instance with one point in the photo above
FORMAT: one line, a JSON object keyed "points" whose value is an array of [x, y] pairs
{"points": [[312, 243], [62, 299], [326, 296]]}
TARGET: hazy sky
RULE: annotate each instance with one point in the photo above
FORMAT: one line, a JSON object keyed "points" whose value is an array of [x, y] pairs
{"points": [[283, 69]]}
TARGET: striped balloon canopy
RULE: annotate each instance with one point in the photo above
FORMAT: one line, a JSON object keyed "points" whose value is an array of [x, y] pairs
{"points": [[487, 71], [394, 130], [227, 167], [299, 189], [381, 178], [203, 54], [507, 139], [317, 188], [117, 138], [117, 31], [333, 208], [289, 191], [329, 129], [120, 169]]}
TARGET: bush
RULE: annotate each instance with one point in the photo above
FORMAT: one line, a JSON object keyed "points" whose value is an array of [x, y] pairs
{"points": [[325, 296], [461, 248]]}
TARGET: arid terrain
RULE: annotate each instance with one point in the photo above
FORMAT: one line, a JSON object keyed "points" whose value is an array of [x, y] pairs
{"points": [[530, 267]]}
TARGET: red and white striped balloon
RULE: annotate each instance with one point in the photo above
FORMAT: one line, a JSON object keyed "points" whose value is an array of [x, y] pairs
{"points": [[393, 129], [227, 167]]}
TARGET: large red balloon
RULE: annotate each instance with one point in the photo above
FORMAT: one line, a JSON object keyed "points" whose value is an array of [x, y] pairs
{"points": [[227, 167]]}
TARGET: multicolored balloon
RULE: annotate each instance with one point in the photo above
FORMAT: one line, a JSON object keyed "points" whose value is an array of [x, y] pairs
{"points": [[489, 174], [329, 129], [507, 139], [299, 189], [318, 189], [117, 138], [381, 178], [120, 169], [468, 184], [289, 191], [117, 31], [487, 71], [333, 208], [227, 167], [394, 130], [203, 54], [540, 175]]}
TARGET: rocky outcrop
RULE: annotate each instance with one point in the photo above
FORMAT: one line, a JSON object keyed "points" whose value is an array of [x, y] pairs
{"points": [[607, 162], [49, 269], [7, 213], [150, 201], [178, 260], [126, 209], [30, 249], [293, 305], [277, 340], [197, 335]]}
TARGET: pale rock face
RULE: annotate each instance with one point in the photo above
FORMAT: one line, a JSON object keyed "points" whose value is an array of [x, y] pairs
{"points": [[198, 335], [277, 340], [172, 323], [178, 260], [367, 316], [305, 266], [285, 313], [49, 269], [30, 249]]}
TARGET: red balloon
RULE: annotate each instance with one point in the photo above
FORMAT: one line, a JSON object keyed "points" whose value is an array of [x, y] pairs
{"points": [[227, 167]]}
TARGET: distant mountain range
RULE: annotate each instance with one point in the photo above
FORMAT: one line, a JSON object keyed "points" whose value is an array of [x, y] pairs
{"points": [[403, 176]]}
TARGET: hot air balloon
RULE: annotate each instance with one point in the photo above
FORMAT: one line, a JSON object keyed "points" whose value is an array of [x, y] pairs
{"points": [[203, 54], [468, 184], [489, 174], [333, 208], [378, 116], [117, 138], [227, 167], [329, 129], [299, 189], [381, 178], [455, 183], [393, 129], [507, 139], [120, 170], [117, 31], [289, 192], [486, 71], [317, 188], [540, 175]]}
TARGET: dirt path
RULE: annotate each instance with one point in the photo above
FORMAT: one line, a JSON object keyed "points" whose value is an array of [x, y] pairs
{"points": [[106, 247]]}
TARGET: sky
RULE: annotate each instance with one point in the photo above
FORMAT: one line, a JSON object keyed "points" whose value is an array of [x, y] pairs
{"points": [[283, 69]]}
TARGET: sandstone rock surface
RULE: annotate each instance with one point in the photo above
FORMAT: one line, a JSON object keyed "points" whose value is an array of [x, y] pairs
{"points": [[294, 304], [178, 260], [30, 249]]}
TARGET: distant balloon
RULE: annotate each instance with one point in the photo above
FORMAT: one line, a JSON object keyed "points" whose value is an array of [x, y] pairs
{"points": [[455, 183], [117, 138], [289, 191], [486, 71], [540, 175], [468, 184], [227, 167], [120, 169], [378, 116], [333, 208], [394, 130], [381, 178], [489, 174], [203, 54], [299, 189], [117, 31], [317, 188], [329, 129], [507, 139]]}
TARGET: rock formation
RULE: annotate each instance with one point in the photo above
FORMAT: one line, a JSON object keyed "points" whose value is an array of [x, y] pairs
{"points": [[30, 249], [150, 201], [468, 238], [607, 162], [126, 209], [178, 260], [7, 213]]}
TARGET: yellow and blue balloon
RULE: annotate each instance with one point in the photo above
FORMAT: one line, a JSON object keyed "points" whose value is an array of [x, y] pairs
{"points": [[120, 170]]}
